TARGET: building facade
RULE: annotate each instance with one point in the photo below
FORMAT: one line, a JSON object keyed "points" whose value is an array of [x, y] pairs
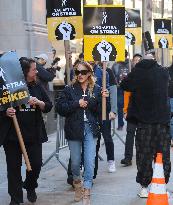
{"points": [[23, 23], [23, 27]]}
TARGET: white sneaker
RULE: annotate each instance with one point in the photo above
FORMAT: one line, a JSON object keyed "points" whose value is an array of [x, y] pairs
{"points": [[169, 195], [143, 193], [111, 166]]}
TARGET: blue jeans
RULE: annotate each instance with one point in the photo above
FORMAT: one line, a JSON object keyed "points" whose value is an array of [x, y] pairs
{"points": [[89, 149], [171, 103], [120, 106]]}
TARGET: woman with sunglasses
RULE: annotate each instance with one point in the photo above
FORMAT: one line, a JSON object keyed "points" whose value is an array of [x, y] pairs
{"points": [[80, 103]]}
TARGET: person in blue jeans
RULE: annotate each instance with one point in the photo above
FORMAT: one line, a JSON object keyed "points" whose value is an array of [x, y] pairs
{"points": [[105, 126], [80, 104]]}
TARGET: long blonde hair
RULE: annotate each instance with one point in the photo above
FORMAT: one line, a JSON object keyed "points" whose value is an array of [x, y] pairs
{"points": [[91, 78]]}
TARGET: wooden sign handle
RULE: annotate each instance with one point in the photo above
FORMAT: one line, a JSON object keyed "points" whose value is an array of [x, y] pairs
{"points": [[67, 51], [21, 142], [104, 88]]}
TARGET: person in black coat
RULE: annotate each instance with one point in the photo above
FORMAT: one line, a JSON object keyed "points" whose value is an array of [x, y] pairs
{"points": [[80, 104], [148, 83], [131, 123], [33, 130], [170, 69], [44, 75]]}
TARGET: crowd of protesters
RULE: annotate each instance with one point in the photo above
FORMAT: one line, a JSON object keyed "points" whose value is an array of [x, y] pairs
{"points": [[140, 92]]}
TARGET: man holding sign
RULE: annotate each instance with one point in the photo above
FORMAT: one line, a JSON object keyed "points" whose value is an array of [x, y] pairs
{"points": [[15, 105]]}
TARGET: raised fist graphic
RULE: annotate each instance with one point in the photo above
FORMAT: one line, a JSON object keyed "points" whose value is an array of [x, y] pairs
{"points": [[126, 16], [66, 29], [163, 43], [64, 3], [105, 49], [2, 74], [130, 38]]}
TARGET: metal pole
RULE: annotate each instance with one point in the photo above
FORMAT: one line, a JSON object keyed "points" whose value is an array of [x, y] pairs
{"points": [[163, 8], [134, 3], [134, 48], [144, 15], [172, 25], [143, 22], [105, 1], [162, 13]]}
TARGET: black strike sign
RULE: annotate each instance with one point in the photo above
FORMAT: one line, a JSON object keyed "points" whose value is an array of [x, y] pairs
{"points": [[132, 18], [104, 21], [162, 26], [63, 8]]}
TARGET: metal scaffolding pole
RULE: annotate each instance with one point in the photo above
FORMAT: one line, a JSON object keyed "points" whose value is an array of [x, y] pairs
{"points": [[172, 24], [123, 2]]}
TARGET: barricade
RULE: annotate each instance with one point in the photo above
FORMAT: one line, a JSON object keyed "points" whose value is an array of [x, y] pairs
{"points": [[114, 133], [61, 142]]}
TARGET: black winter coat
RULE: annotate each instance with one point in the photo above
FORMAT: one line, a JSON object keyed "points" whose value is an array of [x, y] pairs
{"points": [[67, 105], [171, 81], [44, 76], [149, 102], [29, 118]]}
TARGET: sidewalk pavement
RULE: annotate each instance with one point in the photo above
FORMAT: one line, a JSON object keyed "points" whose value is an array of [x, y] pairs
{"points": [[118, 188]]}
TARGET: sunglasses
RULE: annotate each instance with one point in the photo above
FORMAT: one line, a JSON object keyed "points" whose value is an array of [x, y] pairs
{"points": [[82, 72]]}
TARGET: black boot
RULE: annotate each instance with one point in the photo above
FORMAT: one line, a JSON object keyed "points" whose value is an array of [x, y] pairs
{"points": [[70, 180], [13, 202], [126, 162], [70, 175], [31, 196]]}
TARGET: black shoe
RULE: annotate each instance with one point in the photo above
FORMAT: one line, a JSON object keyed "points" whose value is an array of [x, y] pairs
{"points": [[70, 180], [31, 196], [14, 203], [126, 162]]}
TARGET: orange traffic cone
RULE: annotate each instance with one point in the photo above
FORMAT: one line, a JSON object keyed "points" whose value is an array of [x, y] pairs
{"points": [[158, 194]]}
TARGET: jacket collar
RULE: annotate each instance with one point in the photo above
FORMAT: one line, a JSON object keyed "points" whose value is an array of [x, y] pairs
{"points": [[78, 89]]}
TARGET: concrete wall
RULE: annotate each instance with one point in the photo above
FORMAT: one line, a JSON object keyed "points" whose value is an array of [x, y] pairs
{"points": [[23, 27]]}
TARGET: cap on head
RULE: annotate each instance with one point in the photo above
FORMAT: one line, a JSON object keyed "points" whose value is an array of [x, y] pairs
{"points": [[148, 56], [43, 56]]}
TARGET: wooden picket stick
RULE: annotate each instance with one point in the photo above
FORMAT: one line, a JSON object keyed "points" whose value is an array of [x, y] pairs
{"points": [[67, 67], [104, 88], [21, 142]]}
